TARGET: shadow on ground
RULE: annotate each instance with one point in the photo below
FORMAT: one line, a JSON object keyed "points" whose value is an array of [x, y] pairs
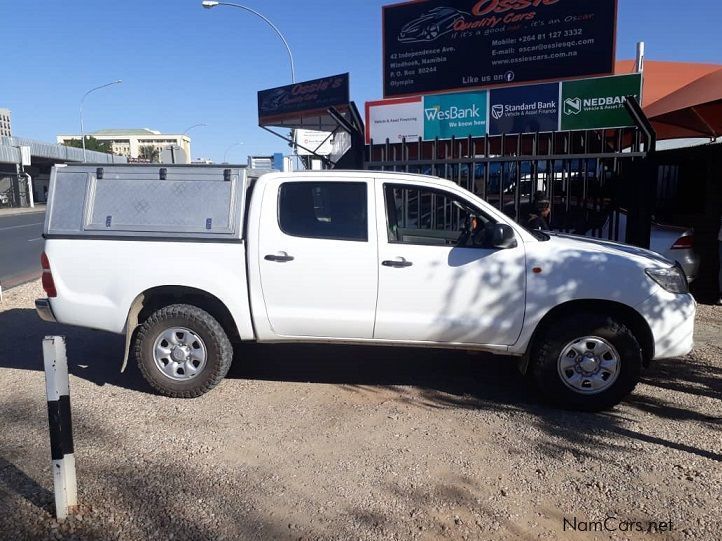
{"points": [[426, 377]]}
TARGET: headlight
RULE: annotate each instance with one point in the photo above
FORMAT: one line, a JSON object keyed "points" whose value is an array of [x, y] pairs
{"points": [[672, 279]]}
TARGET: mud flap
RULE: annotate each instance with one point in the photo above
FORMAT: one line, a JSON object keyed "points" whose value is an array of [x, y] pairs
{"points": [[130, 326]]}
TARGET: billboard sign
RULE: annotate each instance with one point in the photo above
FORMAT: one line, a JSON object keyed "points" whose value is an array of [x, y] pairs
{"points": [[293, 101], [455, 115], [598, 103], [394, 120], [443, 116], [440, 45], [311, 140], [524, 109], [572, 105]]}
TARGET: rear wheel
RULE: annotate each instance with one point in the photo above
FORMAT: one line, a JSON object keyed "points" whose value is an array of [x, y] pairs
{"points": [[182, 351], [586, 362]]}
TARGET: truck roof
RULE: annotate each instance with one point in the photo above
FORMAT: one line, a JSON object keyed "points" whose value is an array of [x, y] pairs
{"points": [[350, 174]]}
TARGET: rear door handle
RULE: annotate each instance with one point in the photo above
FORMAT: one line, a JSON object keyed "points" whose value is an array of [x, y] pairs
{"points": [[397, 264], [281, 257]]}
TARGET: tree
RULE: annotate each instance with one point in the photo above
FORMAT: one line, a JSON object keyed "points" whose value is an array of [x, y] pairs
{"points": [[150, 153], [91, 143]]}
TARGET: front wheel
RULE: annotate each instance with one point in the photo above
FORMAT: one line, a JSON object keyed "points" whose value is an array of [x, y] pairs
{"points": [[586, 362], [182, 351]]}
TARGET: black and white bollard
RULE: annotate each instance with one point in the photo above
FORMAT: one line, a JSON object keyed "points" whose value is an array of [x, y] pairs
{"points": [[61, 428]]}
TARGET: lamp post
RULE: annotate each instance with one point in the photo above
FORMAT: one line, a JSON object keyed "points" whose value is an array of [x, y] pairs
{"points": [[225, 154], [208, 4], [82, 100], [185, 132]]}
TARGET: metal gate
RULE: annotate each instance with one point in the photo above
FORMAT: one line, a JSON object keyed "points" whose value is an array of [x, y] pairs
{"points": [[589, 177]]}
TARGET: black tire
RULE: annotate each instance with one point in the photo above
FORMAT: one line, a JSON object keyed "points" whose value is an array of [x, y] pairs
{"points": [[219, 351], [561, 332]]}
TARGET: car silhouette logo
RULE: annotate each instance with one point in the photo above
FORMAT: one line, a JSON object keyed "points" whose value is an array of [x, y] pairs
{"points": [[497, 111], [274, 100], [572, 106], [431, 25]]}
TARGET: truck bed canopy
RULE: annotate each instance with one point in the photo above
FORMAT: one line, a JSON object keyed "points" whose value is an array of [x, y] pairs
{"points": [[178, 202]]}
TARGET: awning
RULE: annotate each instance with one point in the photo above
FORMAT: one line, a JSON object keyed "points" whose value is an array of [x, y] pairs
{"points": [[692, 111], [681, 99]]}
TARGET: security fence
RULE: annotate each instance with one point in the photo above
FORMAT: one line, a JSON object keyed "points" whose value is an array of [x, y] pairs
{"points": [[589, 177]]}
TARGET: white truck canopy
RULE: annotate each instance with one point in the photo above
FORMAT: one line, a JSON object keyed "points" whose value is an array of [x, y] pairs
{"points": [[147, 201]]}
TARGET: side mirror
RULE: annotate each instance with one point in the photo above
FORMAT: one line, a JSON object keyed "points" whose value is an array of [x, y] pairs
{"points": [[501, 236]]}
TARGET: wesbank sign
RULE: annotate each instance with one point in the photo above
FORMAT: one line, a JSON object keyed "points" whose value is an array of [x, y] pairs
{"points": [[455, 115]]}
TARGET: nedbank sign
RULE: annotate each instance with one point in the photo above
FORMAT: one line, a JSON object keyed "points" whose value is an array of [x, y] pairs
{"points": [[455, 115], [598, 103]]}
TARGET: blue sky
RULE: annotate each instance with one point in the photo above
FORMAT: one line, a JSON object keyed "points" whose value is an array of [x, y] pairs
{"points": [[182, 65]]}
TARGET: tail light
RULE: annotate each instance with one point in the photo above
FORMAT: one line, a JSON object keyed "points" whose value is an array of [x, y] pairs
{"points": [[683, 243], [48, 282]]}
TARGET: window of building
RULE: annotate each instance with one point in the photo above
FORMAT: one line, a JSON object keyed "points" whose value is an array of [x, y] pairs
{"points": [[324, 210]]}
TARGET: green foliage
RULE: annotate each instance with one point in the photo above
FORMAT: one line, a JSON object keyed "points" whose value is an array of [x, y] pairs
{"points": [[150, 153], [91, 143]]}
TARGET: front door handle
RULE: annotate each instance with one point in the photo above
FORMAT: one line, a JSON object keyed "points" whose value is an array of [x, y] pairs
{"points": [[400, 263], [281, 257]]}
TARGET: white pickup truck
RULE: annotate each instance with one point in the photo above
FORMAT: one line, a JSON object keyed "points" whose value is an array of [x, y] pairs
{"points": [[188, 261]]}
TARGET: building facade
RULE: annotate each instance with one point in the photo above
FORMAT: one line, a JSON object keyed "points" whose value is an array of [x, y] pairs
{"points": [[128, 142], [5, 124]]}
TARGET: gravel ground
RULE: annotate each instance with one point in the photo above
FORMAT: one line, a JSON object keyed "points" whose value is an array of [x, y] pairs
{"points": [[326, 442]]}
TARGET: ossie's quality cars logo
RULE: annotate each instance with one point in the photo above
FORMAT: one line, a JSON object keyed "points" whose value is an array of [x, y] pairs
{"points": [[484, 7], [496, 12], [442, 20]]}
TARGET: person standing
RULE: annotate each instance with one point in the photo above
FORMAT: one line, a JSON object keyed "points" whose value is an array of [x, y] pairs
{"points": [[540, 220]]}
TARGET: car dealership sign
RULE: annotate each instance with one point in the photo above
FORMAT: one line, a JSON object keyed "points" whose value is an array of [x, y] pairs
{"points": [[291, 101], [438, 45], [570, 105]]}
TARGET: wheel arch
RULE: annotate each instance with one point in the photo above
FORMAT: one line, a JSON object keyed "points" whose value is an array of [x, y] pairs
{"points": [[623, 313], [157, 297]]}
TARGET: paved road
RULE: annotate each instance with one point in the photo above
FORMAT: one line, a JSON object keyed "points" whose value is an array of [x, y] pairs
{"points": [[21, 243]]}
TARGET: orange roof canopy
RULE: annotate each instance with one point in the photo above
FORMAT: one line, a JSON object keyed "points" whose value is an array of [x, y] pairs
{"points": [[681, 99]]}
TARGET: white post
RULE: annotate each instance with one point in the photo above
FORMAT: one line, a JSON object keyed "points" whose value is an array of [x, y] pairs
{"points": [[61, 429], [639, 64], [30, 191]]}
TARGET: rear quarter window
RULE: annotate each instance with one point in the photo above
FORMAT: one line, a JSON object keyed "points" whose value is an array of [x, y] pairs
{"points": [[324, 210]]}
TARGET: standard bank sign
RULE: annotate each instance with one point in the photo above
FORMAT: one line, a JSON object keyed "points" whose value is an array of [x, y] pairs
{"points": [[524, 109], [455, 115]]}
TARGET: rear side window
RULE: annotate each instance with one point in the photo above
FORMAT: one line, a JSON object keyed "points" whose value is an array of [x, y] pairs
{"points": [[324, 210]]}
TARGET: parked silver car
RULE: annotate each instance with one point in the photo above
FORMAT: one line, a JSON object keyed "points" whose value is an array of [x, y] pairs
{"points": [[674, 243]]}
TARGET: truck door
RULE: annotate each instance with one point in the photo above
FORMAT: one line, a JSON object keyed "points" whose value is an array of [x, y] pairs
{"points": [[433, 289], [317, 254]]}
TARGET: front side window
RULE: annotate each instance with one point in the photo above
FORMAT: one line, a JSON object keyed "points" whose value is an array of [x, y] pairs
{"points": [[426, 216], [324, 210]]}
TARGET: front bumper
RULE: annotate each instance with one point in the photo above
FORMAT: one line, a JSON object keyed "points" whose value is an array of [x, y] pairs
{"points": [[671, 319], [44, 310]]}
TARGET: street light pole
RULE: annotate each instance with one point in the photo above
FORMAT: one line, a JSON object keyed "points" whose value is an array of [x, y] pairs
{"points": [[82, 128], [225, 154], [208, 4], [185, 132]]}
